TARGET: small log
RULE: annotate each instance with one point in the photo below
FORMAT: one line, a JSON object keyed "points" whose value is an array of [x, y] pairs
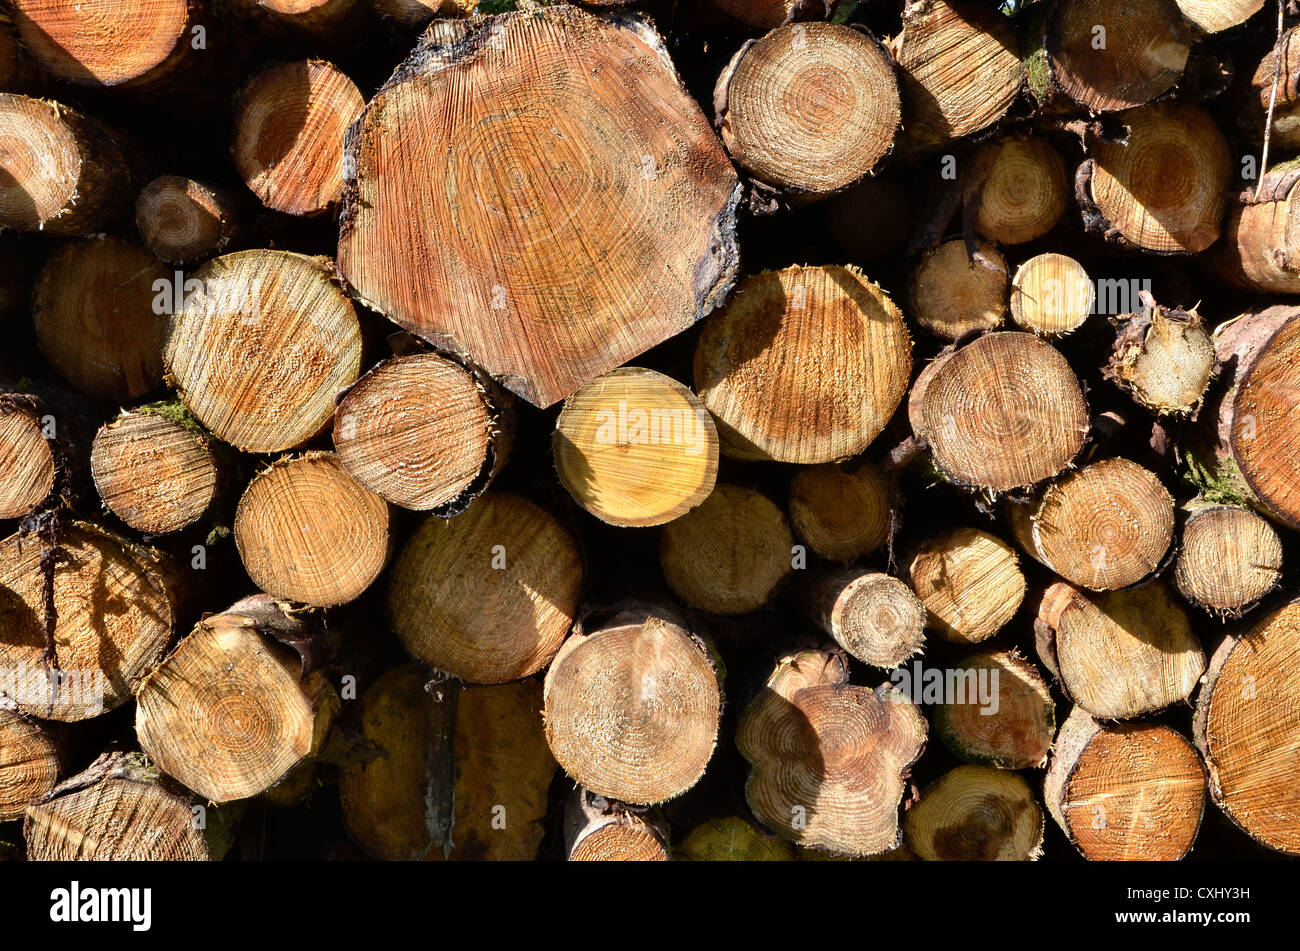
{"points": [[95, 321], [976, 813], [489, 595], [804, 365], [1163, 358], [810, 108], [597, 829], [842, 511], [29, 764], [1164, 187], [632, 706], [1003, 412], [262, 342], [1247, 727], [636, 448], [828, 760], [1125, 791], [27, 457], [396, 790], [232, 710], [953, 293], [1024, 191], [532, 260], [1105, 526], [182, 220], [876, 618], [1051, 295], [117, 810], [731, 839], [1120, 654], [114, 606], [62, 173], [1014, 728], [423, 432], [1228, 558], [289, 124], [155, 473], [1113, 54], [728, 555], [959, 67], [970, 583]]}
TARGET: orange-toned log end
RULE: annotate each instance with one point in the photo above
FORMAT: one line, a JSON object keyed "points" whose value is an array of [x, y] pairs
{"points": [[93, 307], [1003, 412], [1228, 558], [105, 42], [876, 618], [261, 347], [1105, 526], [155, 474], [1125, 792], [976, 813], [805, 364], [397, 805], [842, 511], [103, 651], [321, 20], [1123, 653], [182, 220], [1247, 726], [1265, 430], [580, 209], [117, 810], [970, 582], [960, 70], [60, 172], [1261, 237], [829, 760], [598, 829], [1215, 16], [731, 839], [810, 107], [1025, 190], [1164, 189], [1001, 715], [728, 555], [420, 430], [289, 126], [29, 764], [1113, 54], [27, 461], [636, 448], [227, 713], [953, 292], [632, 705], [308, 532], [762, 14], [489, 595]]}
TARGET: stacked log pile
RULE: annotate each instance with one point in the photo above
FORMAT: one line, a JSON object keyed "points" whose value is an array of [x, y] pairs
{"points": [[731, 430]]}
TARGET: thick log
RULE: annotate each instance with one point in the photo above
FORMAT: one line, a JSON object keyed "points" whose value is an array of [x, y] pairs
{"points": [[843, 511], [1004, 715], [829, 760], [632, 705], [970, 582], [1024, 189], [29, 764], [490, 595], [636, 448], [953, 292], [532, 260], [810, 108], [27, 456], [728, 555], [1260, 249], [805, 365], [976, 813], [1228, 558], [1125, 791]]}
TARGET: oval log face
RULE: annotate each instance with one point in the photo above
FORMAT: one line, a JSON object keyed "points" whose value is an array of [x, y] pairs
{"points": [[550, 215]]}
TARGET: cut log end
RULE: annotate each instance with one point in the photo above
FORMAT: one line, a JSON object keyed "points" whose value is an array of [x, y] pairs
{"points": [[842, 511], [636, 448], [1228, 559], [970, 582], [731, 839], [1025, 190], [1164, 360], [598, 829], [181, 220], [976, 813], [954, 293], [1052, 295], [876, 618], [1004, 715], [27, 461], [29, 764]]}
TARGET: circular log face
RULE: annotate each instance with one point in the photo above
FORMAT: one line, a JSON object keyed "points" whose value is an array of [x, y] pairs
{"points": [[970, 582], [1025, 193], [101, 41], [1112, 54], [1001, 413], [976, 813], [26, 462], [29, 767], [182, 220], [1266, 425], [1014, 734], [842, 512], [115, 820], [810, 107], [40, 162], [552, 215], [1229, 559]]}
